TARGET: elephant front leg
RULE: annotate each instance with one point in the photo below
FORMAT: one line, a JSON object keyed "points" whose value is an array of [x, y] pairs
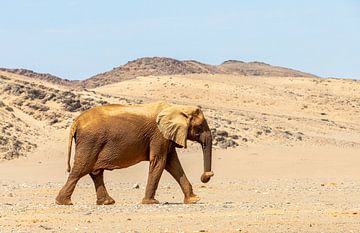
{"points": [[155, 170], [102, 195], [174, 167]]}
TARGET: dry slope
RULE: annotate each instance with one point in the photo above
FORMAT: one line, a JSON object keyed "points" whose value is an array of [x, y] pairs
{"points": [[247, 110], [29, 108]]}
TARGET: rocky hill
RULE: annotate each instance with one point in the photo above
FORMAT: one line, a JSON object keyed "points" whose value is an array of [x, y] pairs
{"points": [[41, 76], [259, 69], [145, 67], [158, 66]]}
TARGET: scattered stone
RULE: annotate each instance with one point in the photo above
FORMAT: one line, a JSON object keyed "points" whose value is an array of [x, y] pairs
{"points": [[45, 227], [136, 186], [55, 120], [222, 133], [9, 109], [267, 130]]}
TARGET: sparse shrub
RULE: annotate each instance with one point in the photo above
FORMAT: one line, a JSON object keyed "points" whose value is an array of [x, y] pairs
{"points": [[4, 77], [72, 105], [36, 94], [3, 140], [39, 107], [15, 89], [103, 102]]}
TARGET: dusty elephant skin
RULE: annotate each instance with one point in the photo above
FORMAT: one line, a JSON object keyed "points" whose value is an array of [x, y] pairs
{"points": [[117, 136]]}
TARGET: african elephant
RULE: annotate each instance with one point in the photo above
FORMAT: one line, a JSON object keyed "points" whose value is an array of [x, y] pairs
{"points": [[117, 136]]}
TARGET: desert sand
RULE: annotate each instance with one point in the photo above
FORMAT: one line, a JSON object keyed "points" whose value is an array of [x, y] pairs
{"points": [[286, 157]]}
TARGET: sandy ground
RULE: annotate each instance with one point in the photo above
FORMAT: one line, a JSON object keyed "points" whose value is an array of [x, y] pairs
{"points": [[255, 189], [296, 168]]}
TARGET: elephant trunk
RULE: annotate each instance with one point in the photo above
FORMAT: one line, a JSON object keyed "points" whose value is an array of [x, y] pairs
{"points": [[206, 141]]}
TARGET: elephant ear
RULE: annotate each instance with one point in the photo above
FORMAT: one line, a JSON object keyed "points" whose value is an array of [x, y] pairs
{"points": [[173, 122]]}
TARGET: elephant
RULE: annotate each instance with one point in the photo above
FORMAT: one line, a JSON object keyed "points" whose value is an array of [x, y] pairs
{"points": [[117, 136]]}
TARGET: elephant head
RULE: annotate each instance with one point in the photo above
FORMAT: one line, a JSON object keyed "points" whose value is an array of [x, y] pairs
{"points": [[179, 123]]}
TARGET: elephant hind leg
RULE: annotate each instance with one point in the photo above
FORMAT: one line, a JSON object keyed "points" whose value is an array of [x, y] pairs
{"points": [[102, 195], [82, 166], [64, 196]]}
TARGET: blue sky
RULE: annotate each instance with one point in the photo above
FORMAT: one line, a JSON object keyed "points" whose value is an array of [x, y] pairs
{"points": [[75, 39]]}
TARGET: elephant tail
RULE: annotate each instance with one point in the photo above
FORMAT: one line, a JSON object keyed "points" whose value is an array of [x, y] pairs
{"points": [[71, 136]]}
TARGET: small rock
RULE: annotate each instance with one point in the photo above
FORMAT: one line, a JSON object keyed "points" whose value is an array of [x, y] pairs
{"points": [[220, 139], [228, 202], [222, 133], [45, 227], [136, 186]]}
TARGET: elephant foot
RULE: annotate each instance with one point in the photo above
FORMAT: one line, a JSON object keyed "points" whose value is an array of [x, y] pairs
{"points": [[191, 200], [63, 201], [106, 201], [149, 201]]}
